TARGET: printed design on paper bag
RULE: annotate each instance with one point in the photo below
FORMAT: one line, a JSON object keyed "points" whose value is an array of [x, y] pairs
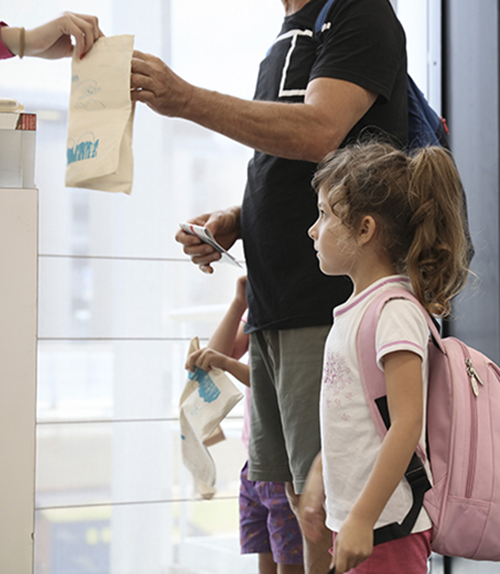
{"points": [[85, 92], [86, 148], [207, 389], [336, 380]]}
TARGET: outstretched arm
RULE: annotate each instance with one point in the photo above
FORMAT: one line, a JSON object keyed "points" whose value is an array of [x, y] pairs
{"points": [[403, 377], [53, 39], [302, 131]]}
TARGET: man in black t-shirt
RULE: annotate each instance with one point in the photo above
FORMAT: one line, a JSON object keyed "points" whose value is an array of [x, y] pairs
{"points": [[315, 93]]}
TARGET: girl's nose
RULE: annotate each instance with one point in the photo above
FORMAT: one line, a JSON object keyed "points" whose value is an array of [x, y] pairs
{"points": [[312, 232]]}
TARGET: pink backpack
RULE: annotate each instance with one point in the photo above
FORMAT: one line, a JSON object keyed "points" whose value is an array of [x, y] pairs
{"points": [[463, 440]]}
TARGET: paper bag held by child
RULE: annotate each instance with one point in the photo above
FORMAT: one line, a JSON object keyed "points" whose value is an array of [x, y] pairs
{"points": [[205, 402]]}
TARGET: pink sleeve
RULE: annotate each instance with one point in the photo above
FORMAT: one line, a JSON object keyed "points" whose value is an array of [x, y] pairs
{"points": [[4, 51], [245, 435]]}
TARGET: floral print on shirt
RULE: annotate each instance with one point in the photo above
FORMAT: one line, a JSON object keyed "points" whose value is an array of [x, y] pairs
{"points": [[337, 379]]}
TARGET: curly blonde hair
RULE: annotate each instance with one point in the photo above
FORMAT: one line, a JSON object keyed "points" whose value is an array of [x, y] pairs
{"points": [[417, 203]]}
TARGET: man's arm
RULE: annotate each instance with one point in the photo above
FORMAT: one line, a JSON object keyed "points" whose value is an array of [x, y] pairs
{"points": [[305, 131]]}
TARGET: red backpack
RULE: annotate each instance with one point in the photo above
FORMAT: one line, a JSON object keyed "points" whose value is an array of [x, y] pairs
{"points": [[463, 440]]}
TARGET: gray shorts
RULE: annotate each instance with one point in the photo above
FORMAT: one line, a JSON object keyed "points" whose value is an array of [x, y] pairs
{"points": [[285, 371]]}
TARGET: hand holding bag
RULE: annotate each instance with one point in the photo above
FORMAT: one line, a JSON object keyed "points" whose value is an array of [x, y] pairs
{"points": [[205, 402]]}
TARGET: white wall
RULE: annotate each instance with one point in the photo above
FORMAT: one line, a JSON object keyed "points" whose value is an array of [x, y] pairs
{"points": [[18, 331]]}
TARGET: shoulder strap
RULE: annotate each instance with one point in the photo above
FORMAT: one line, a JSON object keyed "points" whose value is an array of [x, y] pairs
{"points": [[425, 126], [322, 16], [373, 381]]}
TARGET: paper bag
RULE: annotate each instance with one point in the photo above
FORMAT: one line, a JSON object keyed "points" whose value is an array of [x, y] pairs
{"points": [[206, 400], [99, 147]]}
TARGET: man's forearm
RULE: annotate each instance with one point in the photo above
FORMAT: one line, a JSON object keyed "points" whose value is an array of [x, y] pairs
{"points": [[306, 131], [292, 131]]}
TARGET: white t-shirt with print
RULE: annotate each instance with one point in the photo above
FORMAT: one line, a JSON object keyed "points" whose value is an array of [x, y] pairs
{"points": [[350, 442]]}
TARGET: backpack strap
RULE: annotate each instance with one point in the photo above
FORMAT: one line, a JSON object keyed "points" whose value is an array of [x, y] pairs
{"points": [[322, 16], [373, 381], [425, 127]]}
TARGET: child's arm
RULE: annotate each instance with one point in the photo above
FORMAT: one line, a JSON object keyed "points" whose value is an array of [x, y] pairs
{"points": [[228, 342], [228, 338], [312, 499], [403, 378]]}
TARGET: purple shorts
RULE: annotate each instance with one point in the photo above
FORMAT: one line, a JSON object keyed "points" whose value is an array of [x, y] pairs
{"points": [[267, 523]]}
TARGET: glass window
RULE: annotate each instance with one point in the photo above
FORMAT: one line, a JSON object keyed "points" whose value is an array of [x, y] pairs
{"points": [[119, 302]]}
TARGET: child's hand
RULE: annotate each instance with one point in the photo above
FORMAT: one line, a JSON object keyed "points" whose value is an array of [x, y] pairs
{"points": [[206, 359], [312, 516], [353, 544], [311, 504]]}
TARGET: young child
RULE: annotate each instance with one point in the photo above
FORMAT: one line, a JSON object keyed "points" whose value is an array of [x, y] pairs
{"points": [[268, 526], [386, 220]]}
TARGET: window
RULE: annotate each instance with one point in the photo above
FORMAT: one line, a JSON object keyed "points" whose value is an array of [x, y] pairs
{"points": [[119, 302]]}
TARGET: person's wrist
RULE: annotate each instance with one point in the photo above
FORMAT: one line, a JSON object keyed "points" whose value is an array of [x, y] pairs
{"points": [[238, 305], [22, 42], [185, 111], [362, 517], [33, 43], [10, 38]]}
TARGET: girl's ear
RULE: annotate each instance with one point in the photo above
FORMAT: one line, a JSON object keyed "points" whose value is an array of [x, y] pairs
{"points": [[367, 230]]}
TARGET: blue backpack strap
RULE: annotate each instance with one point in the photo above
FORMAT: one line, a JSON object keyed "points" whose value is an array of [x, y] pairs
{"points": [[322, 16], [425, 127]]}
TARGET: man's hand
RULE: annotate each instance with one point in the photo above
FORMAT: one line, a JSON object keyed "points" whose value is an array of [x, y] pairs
{"points": [[154, 83], [53, 40], [224, 226]]}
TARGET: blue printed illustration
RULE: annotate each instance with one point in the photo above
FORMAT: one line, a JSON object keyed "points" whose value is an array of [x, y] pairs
{"points": [[86, 148], [84, 92], [207, 389]]}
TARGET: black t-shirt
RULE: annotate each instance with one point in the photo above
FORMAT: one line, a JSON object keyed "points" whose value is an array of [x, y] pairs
{"points": [[363, 43]]}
